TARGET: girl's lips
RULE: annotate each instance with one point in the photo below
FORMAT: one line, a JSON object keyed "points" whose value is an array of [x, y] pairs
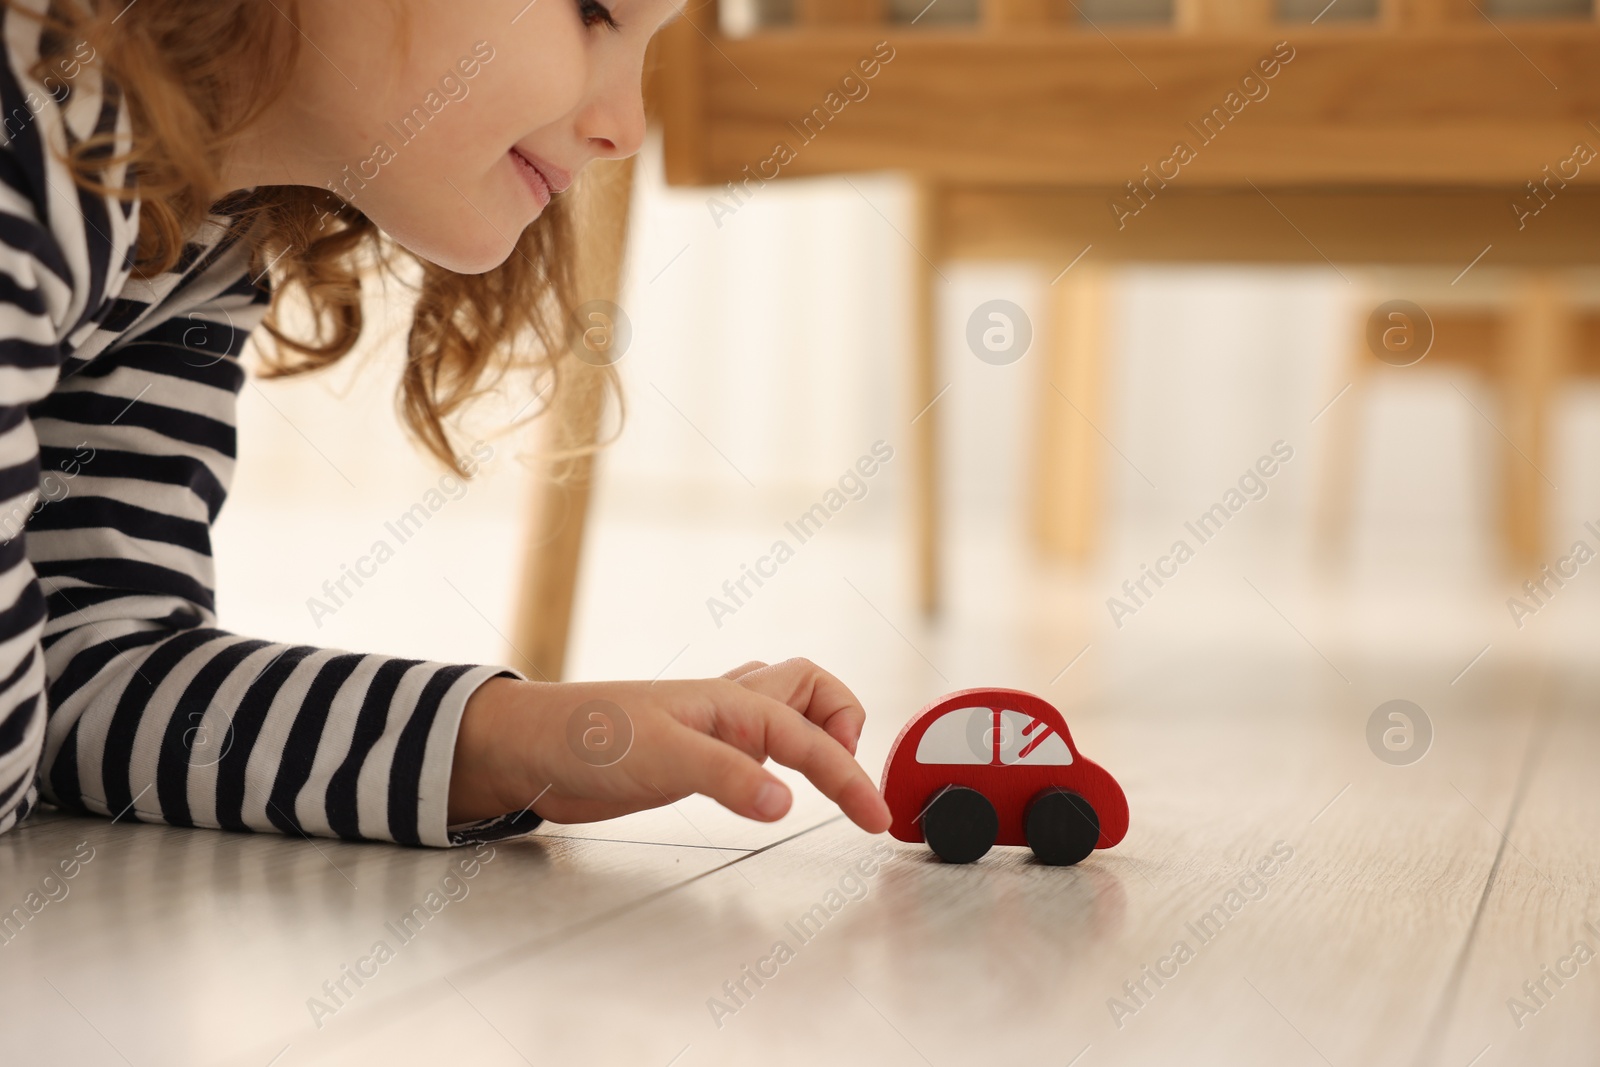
{"points": [[555, 179], [535, 181]]}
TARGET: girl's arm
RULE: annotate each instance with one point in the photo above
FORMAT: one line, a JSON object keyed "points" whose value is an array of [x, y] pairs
{"points": [[34, 275]]}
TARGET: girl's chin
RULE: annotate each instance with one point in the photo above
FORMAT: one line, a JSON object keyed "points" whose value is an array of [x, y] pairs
{"points": [[476, 252]]}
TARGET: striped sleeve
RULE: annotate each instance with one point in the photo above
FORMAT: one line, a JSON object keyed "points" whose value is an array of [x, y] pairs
{"points": [[33, 275], [156, 714]]}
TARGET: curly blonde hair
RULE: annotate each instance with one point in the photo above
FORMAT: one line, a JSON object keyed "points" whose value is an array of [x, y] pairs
{"points": [[195, 75]]}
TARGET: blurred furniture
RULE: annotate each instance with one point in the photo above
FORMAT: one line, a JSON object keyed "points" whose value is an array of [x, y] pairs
{"points": [[1400, 139], [1524, 344]]}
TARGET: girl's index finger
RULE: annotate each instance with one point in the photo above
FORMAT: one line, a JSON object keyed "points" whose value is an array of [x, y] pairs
{"points": [[796, 742]]}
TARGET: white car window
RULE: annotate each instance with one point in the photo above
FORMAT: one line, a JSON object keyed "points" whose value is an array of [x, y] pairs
{"points": [[1031, 742], [965, 735]]}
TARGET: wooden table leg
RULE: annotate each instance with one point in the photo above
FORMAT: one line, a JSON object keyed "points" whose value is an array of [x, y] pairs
{"points": [[1538, 348], [1066, 490], [559, 505], [1340, 424], [925, 387]]}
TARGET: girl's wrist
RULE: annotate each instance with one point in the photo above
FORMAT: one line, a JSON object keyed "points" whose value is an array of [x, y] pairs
{"points": [[482, 770]]}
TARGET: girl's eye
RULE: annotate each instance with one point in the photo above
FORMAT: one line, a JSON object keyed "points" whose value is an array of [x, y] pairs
{"points": [[593, 13]]}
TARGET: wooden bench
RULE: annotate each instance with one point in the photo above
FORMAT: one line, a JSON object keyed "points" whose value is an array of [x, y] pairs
{"points": [[1404, 138]]}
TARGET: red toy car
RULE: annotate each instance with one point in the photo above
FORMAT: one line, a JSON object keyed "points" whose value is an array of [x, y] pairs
{"points": [[985, 767]]}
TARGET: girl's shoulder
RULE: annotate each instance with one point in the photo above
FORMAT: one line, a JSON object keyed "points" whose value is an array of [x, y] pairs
{"points": [[52, 83], [76, 240], [53, 99]]}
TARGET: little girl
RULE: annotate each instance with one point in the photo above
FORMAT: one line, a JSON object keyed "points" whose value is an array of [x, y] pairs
{"points": [[170, 168]]}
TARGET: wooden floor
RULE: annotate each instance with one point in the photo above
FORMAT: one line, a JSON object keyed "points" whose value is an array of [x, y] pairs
{"points": [[1407, 905]]}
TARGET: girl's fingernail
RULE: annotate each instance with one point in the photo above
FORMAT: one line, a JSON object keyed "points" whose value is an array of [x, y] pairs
{"points": [[771, 801]]}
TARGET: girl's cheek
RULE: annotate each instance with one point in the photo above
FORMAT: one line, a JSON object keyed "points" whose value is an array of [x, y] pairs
{"points": [[548, 64], [529, 97]]}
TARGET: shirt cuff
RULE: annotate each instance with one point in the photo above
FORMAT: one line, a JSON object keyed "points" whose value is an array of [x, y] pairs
{"points": [[434, 800]]}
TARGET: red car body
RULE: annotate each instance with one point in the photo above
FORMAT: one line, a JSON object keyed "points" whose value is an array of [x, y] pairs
{"points": [[909, 784]]}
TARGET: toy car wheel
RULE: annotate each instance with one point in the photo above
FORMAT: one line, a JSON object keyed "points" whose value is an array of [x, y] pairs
{"points": [[1062, 827], [960, 824]]}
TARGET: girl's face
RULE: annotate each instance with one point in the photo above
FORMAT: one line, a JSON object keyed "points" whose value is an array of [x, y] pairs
{"points": [[419, 112]]}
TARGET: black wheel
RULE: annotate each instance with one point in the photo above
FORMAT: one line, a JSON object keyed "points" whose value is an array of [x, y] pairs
{"points": [[960, 824], [1062, 827]]}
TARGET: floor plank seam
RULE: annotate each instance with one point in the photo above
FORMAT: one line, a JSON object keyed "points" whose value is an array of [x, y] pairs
{"points": [[568, 933], [424, 992], [1427, 1052], [627, 841]]}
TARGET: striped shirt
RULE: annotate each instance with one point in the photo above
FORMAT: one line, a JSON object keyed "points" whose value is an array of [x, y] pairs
{"points": [[118, 693]]}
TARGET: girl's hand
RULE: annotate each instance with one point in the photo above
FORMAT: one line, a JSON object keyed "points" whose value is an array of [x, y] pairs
{"points": [[584, 751]]}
